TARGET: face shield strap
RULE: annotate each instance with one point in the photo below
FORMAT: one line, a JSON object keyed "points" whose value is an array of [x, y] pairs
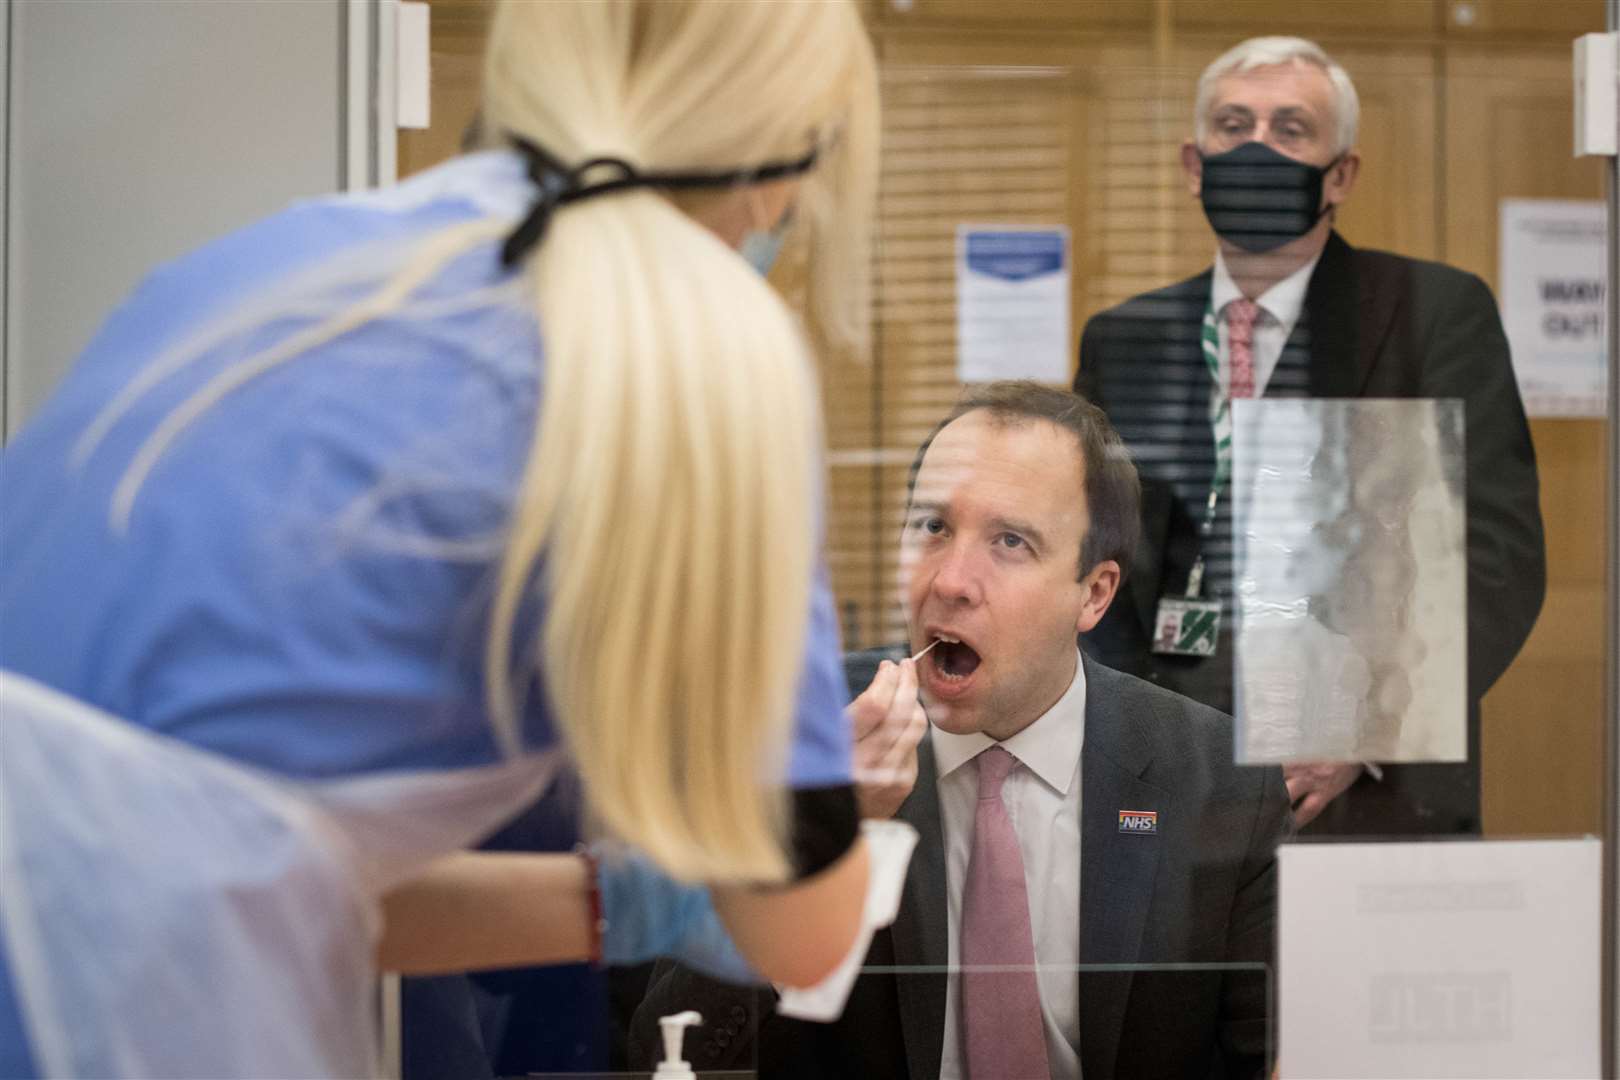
{"points": [[560, 185]]}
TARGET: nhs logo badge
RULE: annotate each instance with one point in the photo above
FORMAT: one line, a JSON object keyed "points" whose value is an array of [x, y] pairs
{"points": [[1138, 821]]}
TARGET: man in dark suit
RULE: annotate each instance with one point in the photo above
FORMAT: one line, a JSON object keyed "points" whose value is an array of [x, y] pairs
{"points": [[1070, 817], [1291, 310]]}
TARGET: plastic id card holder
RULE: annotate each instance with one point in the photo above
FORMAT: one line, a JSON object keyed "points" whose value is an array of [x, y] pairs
{"points": [[1186, 627]]}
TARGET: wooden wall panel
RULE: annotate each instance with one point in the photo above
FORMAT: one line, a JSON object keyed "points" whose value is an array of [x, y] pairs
{"points": [[1067, 15], [1516, 21], [1508, 135], [457, 29], [1237, 19], [970, 137], [1393, 205], [1141, 227]]}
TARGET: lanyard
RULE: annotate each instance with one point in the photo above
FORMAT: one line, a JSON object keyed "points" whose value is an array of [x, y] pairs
{"points": [[1220, 422]]}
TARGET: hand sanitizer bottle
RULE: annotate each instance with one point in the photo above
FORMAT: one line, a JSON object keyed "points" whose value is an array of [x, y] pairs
{"points": [[674, 1029]]}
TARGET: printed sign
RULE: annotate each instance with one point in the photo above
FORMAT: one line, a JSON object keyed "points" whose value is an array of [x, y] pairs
{"points": [[1477, 958], [1012, 303], [1554, 296]]}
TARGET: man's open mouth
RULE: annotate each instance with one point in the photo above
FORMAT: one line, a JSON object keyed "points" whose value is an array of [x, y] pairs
{"points": [[953, 657]]}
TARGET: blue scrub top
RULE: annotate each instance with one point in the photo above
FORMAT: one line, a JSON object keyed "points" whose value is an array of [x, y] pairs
{"points": [[304, 579]]}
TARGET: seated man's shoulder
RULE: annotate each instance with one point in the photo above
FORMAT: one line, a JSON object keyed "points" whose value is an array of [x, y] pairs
{"points": [[1423, 276], [1156, 705], [1183, 733]]}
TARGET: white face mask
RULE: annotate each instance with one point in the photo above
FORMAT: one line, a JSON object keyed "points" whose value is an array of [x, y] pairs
{"points": [[761, 246]]}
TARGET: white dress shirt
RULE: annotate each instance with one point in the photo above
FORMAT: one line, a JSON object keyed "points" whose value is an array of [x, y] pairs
{"points": [[1043, 801], [1280, 307]]}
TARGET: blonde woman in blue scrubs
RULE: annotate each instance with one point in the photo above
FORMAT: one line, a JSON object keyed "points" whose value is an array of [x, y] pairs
{"points": [[349, 527]]}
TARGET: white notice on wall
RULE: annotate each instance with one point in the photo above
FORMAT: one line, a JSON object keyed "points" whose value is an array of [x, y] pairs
{"points": [[1012, 303], [1552, 282], [1471, 958]]}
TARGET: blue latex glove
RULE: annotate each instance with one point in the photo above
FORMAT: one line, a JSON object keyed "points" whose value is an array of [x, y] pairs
{"points": [[648, 915]]}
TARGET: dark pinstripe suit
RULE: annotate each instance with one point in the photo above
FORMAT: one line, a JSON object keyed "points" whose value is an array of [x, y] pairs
{"points": [[1374, 325]]}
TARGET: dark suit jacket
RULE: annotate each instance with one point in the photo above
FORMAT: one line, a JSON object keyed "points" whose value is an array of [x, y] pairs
{"points": [[1200, 891], [1374, 325]]}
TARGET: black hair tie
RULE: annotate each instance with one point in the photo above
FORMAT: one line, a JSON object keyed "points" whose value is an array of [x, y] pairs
{"points": [[560, 185]]}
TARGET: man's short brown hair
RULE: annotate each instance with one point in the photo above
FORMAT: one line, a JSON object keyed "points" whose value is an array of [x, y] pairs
{"points": [[1113, 492]]}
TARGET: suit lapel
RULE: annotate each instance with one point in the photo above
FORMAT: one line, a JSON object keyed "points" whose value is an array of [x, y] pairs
{"points": [[1117, 868], [921, 929], [1174, 404], [1346, 320]]}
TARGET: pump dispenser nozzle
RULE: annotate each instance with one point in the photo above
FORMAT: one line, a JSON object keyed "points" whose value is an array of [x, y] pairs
{"points": [[674, 1029]]}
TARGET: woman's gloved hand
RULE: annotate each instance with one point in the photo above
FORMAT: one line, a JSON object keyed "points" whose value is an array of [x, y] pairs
{"points": [[648, 915]]}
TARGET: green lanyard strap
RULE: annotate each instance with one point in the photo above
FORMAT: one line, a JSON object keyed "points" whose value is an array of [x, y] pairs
{"points": [[1220, 406], [1220, 422]]}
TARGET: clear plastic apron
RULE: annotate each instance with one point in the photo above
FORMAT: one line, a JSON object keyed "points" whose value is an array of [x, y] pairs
{"points": [[166, 912]]}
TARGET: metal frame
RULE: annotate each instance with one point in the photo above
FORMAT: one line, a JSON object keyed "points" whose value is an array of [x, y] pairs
{"points": [[5, 223], [369, 60], [358, 60], [368, 158], [1611, 707]]}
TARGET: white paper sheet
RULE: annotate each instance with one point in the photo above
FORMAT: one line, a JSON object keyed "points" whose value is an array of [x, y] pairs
{"points": [[1552, 290], [1012, 303], [1465, 958]]}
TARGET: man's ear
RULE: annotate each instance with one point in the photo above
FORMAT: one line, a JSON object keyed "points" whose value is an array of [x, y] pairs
{"points": [[1099, 587], [1192, 163], [1341, 178]]}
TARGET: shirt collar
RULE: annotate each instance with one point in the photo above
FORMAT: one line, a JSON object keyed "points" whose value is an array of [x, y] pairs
{"points": [[1050, 747], [1283, 301]]}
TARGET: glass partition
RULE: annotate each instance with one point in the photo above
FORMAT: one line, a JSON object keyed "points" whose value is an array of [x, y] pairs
{"points": [[895, 1013], [1392, 577]]}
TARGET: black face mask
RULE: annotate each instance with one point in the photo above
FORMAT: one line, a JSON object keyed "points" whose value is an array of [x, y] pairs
{"points": [[1260, 199]]}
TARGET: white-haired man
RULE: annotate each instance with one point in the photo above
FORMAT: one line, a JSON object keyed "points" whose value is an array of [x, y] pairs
{"points": [[1292, 310]]}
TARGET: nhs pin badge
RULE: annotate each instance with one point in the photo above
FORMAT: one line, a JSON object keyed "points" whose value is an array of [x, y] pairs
{"points": [[1139, 821]]}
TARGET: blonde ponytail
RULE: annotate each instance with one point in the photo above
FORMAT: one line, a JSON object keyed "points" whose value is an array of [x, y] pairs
{"points": [[670, 496]]}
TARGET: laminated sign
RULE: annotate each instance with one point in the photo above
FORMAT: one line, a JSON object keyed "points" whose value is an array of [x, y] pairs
{"points": [[1012, 303], [1553, 293]]}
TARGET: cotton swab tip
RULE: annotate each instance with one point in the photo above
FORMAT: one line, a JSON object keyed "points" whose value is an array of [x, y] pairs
{"points": [[925, 649]]}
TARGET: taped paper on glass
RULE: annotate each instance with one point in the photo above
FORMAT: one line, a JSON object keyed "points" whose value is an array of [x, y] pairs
{"points": [[1350, 578], [1464, 958], [1012, 303]]}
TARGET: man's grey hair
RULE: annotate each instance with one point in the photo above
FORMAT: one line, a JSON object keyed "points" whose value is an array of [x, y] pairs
{"points": [[1267, 51]]}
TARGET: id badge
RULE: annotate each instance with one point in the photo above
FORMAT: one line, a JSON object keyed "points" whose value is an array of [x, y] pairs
{"points": [[1186, 627]]}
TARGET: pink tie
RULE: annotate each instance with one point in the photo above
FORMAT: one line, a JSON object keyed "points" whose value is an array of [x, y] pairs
{"points": [[1240, 316], [1002, 1034]]}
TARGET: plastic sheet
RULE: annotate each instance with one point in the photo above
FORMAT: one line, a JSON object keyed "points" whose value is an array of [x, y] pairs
{"points": [[164, 912], [1350, 579]]}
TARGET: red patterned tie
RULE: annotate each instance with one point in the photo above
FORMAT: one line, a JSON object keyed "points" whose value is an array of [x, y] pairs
{"points": [[1240, 316], [1002, 1034]]}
